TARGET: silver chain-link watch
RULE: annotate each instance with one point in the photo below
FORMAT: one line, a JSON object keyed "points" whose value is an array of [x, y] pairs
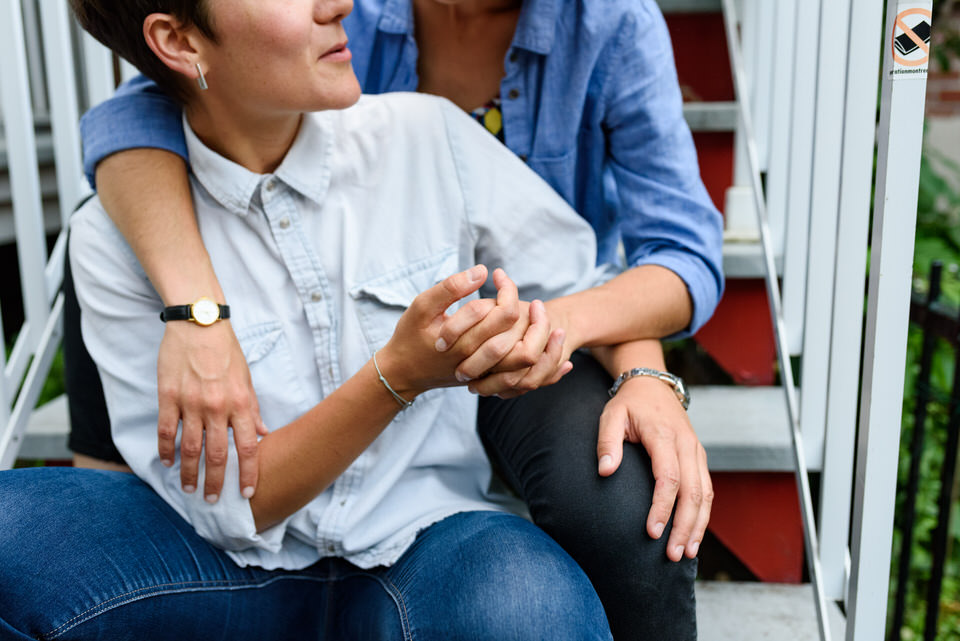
{"points": [[670, 379]]}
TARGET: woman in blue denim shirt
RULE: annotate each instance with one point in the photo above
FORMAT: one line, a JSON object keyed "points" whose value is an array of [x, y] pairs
{"points": [[586, 94]]}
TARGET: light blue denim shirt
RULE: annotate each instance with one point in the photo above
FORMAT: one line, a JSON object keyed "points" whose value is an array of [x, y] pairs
{"points": [[371, 206], [590, 101]]}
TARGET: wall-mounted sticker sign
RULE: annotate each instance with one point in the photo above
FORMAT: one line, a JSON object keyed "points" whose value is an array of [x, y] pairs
{"points": [[910, 41]]}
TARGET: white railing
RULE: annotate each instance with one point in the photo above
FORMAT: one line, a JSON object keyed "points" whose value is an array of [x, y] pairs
{"points": [[817, 157], [31, 93], [805, 72]]}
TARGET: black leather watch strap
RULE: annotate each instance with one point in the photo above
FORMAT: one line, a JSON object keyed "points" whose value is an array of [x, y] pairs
{"points": [[175, 312], [183, 312]]}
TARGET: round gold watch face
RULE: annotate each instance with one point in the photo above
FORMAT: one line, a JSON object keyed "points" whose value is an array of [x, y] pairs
{"points": [[205, 312]]}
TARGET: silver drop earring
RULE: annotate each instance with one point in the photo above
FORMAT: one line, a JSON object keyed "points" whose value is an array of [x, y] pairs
{"points": [[200, 79]]}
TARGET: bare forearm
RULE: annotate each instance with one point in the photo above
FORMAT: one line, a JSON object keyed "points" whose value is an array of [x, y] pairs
{"points": [[643, 302], [301, 460], [617, 359], [146, 192]]}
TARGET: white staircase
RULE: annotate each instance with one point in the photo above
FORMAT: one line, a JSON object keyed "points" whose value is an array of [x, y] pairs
{"points": [[805, 125]]}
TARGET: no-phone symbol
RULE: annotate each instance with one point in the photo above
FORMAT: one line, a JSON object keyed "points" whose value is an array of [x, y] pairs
{"points": [[911, 40]]}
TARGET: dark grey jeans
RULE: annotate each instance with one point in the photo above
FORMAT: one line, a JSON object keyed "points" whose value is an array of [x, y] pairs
{"points": [[544, 445]]}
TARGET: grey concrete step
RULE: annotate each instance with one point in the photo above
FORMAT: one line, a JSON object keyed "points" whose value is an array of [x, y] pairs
{"points": [[47, 430], [728, 611], [743, 428]]}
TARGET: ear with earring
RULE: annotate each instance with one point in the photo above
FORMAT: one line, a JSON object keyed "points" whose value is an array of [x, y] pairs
{"points": [[200, 79]]}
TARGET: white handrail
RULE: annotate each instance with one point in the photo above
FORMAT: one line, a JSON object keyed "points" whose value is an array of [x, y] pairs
{"points": [[859, 134], [64, 108], [24, 179], [24, 372], [795, 252], [888, 309], [783, 352]]}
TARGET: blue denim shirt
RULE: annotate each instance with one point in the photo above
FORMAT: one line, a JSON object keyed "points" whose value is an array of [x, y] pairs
{"points": [[590, 101]]}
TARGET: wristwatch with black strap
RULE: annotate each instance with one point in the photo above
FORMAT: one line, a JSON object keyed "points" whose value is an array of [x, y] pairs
{"points": [[204, 312]]}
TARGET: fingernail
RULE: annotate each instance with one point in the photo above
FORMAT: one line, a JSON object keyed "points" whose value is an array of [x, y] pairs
{"points": [[606, 461], [658, 530], [247, 492], [463, 378], [694, 548], [189, 489], [475, 273], [441, 345], [211, 498], [679, 551], [166, 462]]}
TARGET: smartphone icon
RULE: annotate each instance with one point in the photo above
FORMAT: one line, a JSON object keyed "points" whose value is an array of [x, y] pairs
{"points": [[905, 44]]}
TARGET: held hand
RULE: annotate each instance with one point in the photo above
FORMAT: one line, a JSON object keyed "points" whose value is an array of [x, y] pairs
{"points": [[511, 377], [410, 360], [525, 356], [203, 381], [646, 411]]}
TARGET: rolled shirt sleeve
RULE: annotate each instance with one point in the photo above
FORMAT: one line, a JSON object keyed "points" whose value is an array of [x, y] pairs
{"points": [[666, 216], [138, 115]]}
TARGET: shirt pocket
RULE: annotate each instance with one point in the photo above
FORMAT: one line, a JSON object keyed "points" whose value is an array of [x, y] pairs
{"points": [[280, 392], [552, 165], [382, 300]]}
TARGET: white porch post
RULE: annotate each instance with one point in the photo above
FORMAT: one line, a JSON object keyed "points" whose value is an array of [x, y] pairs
{"points": [[888, 304], [859, 131]]}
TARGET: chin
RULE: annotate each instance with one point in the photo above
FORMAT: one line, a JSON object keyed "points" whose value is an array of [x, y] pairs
{"points": [[342, 94]]}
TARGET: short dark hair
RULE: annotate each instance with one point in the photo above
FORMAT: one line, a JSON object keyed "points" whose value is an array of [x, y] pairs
{"points": [[118, 24]]}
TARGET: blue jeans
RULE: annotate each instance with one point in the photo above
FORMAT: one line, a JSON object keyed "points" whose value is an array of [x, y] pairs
{"points": [[98, 555]]}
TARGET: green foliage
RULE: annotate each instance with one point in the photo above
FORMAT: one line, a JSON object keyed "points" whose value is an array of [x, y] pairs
{"points": [[53, 386], [938, 238], [946, 49], [931, 465], [938, 223]]}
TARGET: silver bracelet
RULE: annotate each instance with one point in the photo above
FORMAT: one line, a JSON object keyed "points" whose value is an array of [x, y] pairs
{"points": [[404, 403], [670, 379]]}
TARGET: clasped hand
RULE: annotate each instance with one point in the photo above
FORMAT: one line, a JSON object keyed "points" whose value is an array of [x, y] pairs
{"points": [[204, 383], [503, 346]]}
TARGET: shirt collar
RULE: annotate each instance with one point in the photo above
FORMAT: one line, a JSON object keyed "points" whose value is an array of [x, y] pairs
{"points": [[305, 168], [396, 17], [536, 27]]}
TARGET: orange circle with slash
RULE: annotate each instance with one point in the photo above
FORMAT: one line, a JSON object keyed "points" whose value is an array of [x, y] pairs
{"points": [[913, 36]]}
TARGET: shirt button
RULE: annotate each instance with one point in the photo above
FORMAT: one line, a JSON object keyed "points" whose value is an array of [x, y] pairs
{"points": [[343, 502], [514, 94], [271, 184], [316, 297], [330, 548], [284, 222]]}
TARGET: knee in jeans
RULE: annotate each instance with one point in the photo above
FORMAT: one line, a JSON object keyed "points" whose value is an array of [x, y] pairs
{"points": [[531, 589]]}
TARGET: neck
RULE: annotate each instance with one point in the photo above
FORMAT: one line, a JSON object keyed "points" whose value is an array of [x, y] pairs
{"points": [[254, 141], [467, 9]]}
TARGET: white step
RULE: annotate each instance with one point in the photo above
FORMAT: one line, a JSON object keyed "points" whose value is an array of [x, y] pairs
{"points": [[744, 259], [687, 6], [711, 116], [47, 430], [742, 428], [728, 611]]}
